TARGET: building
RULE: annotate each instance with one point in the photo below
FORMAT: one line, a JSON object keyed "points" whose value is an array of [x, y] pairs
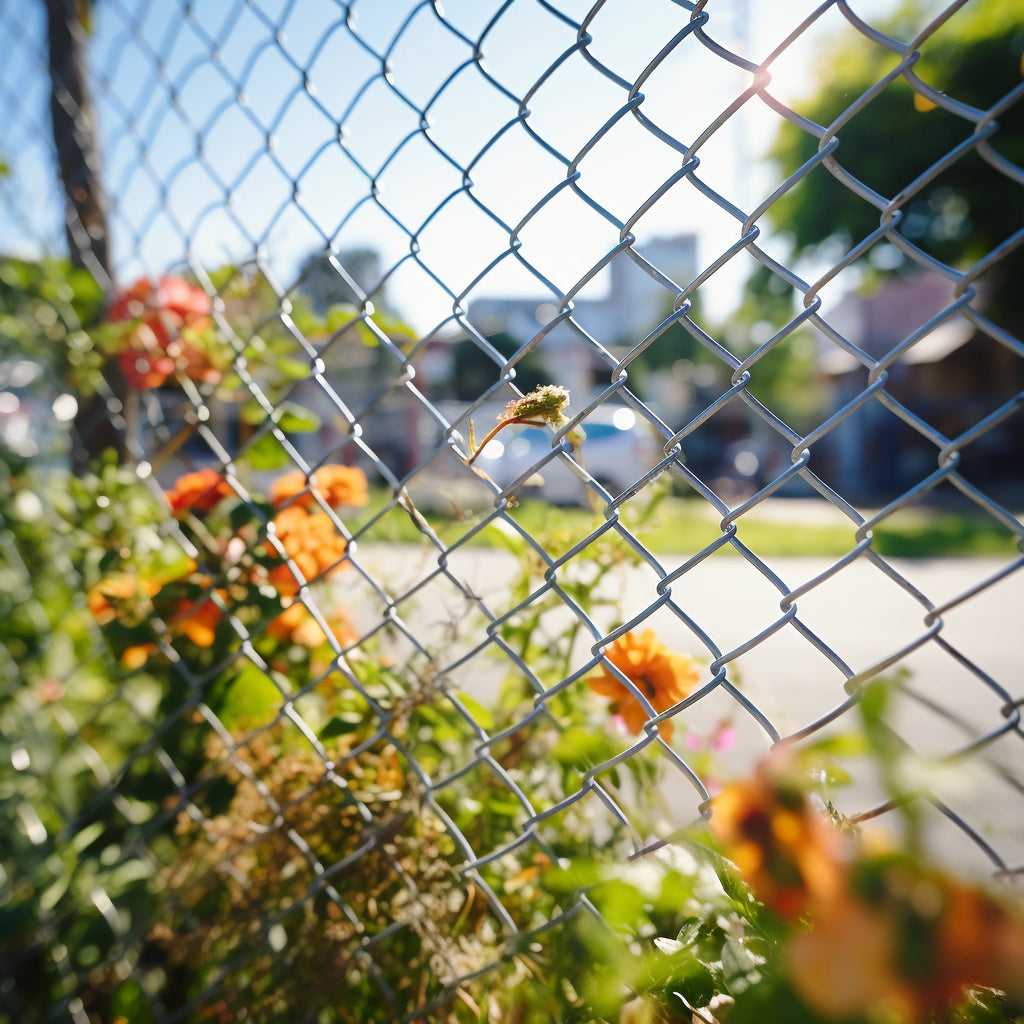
{"points": [[637, 298], [944, 381]]}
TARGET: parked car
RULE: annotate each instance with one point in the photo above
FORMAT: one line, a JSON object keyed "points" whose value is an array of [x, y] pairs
{"points": [[619, 449]]}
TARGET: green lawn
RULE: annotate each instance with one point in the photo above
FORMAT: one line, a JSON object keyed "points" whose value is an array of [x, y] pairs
{"points": [[681, 526]]}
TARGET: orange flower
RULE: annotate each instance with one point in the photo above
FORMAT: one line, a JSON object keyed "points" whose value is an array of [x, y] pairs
{"points": [[337, 485], [105, 594], [880, 933], [662, 676], [198, 492], [198, 620], [137, 655], [790, 853], [913, 944], [844, 964], [297, 625], [311, 541]]}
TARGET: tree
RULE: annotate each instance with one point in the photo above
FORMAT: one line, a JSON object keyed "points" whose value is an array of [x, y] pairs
{"points": [[970, 207], [76, 142]]}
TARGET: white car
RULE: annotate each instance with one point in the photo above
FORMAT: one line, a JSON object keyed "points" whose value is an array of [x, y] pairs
{"points": [[619, 449]]}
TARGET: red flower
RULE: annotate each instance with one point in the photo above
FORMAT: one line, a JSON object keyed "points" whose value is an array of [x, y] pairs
{"points": [[166, 307], [156, 346], [198, 492], [143, 372]]}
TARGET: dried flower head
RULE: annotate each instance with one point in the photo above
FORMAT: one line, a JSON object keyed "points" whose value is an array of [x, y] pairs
{"points": [[543, 405]]}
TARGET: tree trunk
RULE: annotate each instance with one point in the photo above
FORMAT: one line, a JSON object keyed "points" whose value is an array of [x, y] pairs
{"points": [[99, 423]]}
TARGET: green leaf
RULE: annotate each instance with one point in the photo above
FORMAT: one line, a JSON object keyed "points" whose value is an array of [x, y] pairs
{"points": [[841, 745], [86, 837], [341, 724], [566, 879], [292, 369], [267, 454], [251, 699], [619, 903], [293, 419], [289, 416], [505, 536], [691, 979], [579, 748], [341, 316], [476, 711], [253, 413], [128, 1002], [246, 512]]}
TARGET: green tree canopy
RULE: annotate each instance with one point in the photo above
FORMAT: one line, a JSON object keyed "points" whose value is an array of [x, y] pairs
{"points": [[967, 209]]}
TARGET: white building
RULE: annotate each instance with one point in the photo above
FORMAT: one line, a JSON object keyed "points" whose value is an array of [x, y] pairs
{"points": [[643, 285]]}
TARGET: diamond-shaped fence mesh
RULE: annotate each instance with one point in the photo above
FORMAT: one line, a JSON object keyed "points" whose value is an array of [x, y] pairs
{"points": [[314, 682]]}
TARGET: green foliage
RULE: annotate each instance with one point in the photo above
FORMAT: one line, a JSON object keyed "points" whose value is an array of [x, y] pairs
{"points": [[223, 804], [961, 214], [782, 377]]}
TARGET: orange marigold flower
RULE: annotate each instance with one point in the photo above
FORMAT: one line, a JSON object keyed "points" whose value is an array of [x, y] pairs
{"points": [[137, 655], [337, 485], [198, 620], [311, 541], [914, 943], [198, 492], [789, 852], [661, 675], [297, 625], [844, 965]]}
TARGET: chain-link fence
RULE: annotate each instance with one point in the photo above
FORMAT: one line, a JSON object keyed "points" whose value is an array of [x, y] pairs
{"points": [[351, 678]]}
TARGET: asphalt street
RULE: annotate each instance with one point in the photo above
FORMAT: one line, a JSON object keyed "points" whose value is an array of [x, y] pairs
{"points": [[961, 665]]}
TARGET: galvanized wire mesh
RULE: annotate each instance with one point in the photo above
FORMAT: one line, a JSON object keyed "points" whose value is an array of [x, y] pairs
{"points": [[228, 134]]}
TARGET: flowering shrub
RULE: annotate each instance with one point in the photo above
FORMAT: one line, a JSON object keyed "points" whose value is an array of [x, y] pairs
{"points": [[779, 911], [864, 930], [240, 790]]}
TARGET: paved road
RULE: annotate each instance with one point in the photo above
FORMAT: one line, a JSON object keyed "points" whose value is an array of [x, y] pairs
{"points": [[861, 615]]}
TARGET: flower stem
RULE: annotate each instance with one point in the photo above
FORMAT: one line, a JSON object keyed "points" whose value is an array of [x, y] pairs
{"points": [[522, 421]]}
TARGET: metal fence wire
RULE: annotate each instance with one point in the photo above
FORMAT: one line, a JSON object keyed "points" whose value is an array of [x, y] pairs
{"points": [[210, 817]]}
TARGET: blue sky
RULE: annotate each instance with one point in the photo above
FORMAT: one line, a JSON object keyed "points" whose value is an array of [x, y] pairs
{"points": [[186, 137]]}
